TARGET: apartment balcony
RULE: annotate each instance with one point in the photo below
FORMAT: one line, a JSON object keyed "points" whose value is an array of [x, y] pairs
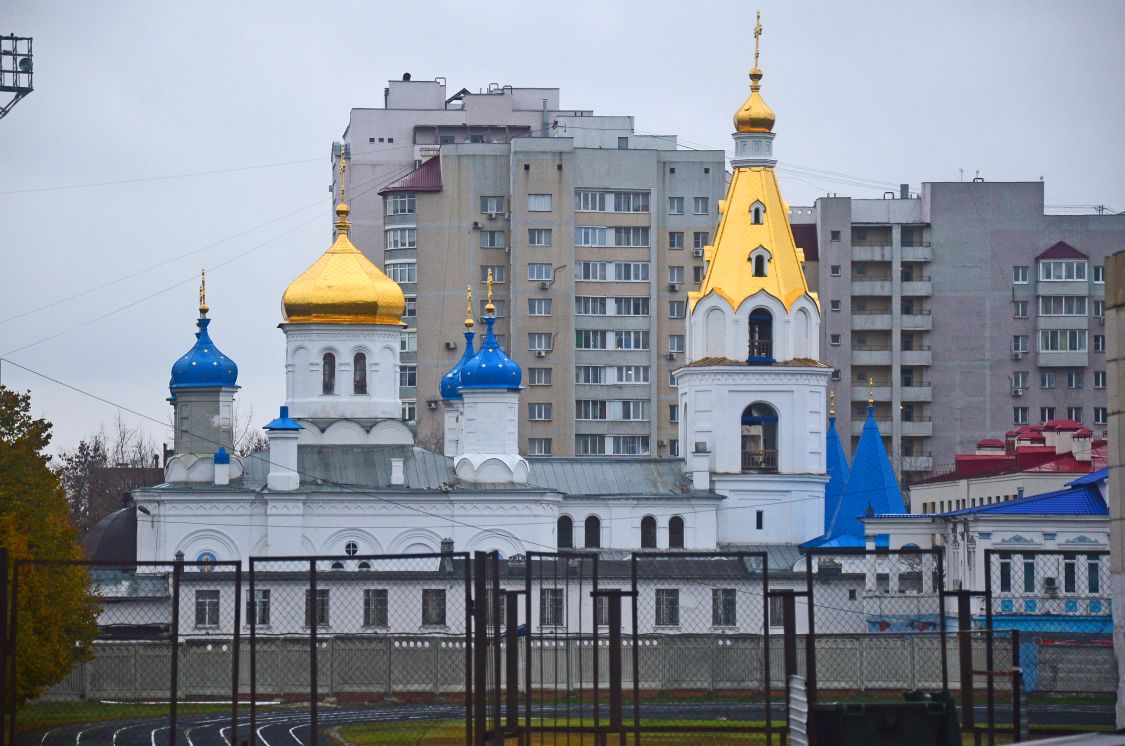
{"points": [[879, 287], [759, 461], [919, 392], [917, 357], [1062, 359], [864, 322], [884, 424], [917, 288], [924, 253], [914, 322], [917, 463], [916, 428], [871, 356], [872, 253], [882, 392]]}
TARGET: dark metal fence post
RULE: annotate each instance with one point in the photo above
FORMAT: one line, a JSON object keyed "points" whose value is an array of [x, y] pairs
{"points": [[614, 601], [941, 594], [497, 662], [13, 685], [965, 655], [1017, 689], [252, 612], [3, 636], [810, 636], [177, 576], [314, 619], [766, 649], [468, 651], [237, 647], [512, 660], [480, 651]]}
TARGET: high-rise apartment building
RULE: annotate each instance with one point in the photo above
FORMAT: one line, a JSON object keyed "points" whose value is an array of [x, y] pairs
{"points": [[968, 309]]}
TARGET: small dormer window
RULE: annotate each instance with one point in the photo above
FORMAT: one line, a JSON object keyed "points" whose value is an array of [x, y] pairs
{"points": [[759, 261], [760, 266], [757, 213]]}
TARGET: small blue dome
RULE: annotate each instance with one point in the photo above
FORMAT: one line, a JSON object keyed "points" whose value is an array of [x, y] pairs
{"points": [[450, 386], [203, 365], [490, 368]]}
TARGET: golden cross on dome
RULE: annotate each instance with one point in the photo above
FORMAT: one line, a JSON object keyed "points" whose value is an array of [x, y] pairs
{"points": [[203, 293], [489, 309], [871, 392], [343, 170], [757, 35], [468, 306], [831, 403]]}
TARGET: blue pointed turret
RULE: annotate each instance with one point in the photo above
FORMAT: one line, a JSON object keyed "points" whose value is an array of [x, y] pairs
{"points": [[203, 365], [836, 464], [490, 368], [450, 386]]}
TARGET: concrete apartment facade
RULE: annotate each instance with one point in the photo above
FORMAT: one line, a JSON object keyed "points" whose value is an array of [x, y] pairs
{"points": [[948, 301]]}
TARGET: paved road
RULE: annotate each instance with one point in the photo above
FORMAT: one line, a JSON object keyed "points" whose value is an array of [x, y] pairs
{"points": [[291, 727]]}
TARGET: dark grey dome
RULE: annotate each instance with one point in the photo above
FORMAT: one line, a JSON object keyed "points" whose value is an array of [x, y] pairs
{"points": [[113, 538]]}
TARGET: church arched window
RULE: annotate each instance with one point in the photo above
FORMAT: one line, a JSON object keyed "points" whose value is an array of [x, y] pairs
{"points": [[757, 213], [593, 532], [328, 380], [676, 532], [565, 532], [359, 373], [760, 265], [759, 438], [648, 532]]}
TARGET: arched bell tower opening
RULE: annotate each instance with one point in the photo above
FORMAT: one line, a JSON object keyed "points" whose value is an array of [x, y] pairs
{"points": [[760, 331], [759, 439]]}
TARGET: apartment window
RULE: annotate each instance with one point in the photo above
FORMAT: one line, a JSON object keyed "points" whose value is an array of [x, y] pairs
{"points": [[630, 374], [667, 607], [588, 235], [630, 237], [630, 201], [630, 340], [1019, 379], [320, 608], [499, 273], [539, 203], [551, 607], [1099, 274], [595, 271], [834, 339], [700, 205], [676, 275], [587, 201], [409, 410], [207, 608], [1056, 270], [1019, 343], [834, 270], [836, 374], [410, 311], [1062, 340], [677, 309], [433, 607], [1062, 305], [402, 272], [408, 341], [1046, 379], [539, 271], [1101, 415], [675, 205], [539, 376], [699, 239], [675, 343], [590, 409], [674, 447], [499, 306], [697, 273], [1020, 415], [673, 412], [1099, 309], [590, 305], [630, 445], [675, 239], [589, 374], [723, 607], [476, 138], [631, 410], [834, 305], [1005, 573], [538, 236], [1099, 379], [401, 238], [630, 271], [539, 411], [401, 204], [623, 143], [1019, 309], [1029, 574], [539, 306], [1099, 343], [539, 446], [1074, 413], [258, 607], [590, 339], [1074, 379], [631, 306], [1046, 413], [375, 607], [492, 239], [834, 235], [408, 375], [589, 445], [540, 341], [1019, 275], [491, 205]]}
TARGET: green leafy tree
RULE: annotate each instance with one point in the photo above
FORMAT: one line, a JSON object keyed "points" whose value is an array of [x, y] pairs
{"points": [[57, 616]]}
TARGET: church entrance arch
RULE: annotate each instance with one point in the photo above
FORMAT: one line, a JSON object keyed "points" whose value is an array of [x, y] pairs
{"points": [[759, 438]]}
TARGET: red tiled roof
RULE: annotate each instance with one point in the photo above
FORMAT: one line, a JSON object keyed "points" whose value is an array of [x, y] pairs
{"points": [[1026, 459], [1065, 425], [804, 235], [1062, 250], [990, 443], [425, 178]]}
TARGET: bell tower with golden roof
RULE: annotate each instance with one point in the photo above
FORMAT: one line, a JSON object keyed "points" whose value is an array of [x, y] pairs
{"points": [[342, 322], [752, 392]]}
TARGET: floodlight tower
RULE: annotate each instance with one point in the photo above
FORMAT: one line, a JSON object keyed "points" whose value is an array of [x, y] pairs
{"points": [[15, 69]]}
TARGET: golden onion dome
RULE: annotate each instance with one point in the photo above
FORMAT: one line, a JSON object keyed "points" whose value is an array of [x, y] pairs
{"points": [[343, 287], [755, 115]]}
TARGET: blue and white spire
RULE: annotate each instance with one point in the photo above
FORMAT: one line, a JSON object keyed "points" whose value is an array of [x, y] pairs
{"points": [[836, 464], [450, 386]]}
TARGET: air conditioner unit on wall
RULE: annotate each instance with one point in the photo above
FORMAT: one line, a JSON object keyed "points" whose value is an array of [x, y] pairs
{"points": [[540, 353], [1017, 392], [1017, 355], [674, 286], [697, 252], [451, 345]]}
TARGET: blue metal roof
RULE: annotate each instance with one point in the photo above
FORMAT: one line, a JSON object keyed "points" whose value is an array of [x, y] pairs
{"points": [[1083, 499], [837, 467], [1092, 478], [283, 422]]}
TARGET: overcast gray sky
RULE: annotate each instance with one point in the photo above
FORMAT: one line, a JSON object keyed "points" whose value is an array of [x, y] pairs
{"points": [[887, 92]]}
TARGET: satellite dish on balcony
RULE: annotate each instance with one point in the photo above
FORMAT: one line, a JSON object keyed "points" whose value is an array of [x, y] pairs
{"points": [[25, 65]]}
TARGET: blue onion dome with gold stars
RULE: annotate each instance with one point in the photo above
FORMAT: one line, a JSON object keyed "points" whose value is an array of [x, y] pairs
{"points": [[203, 365], [490, 368]]}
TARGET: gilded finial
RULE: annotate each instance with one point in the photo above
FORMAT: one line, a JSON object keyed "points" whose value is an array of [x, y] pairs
{"points": [[871, 392], [203, 308], [342, 209], [469, 307], [489, 308], [831, 403], [757, 36], [343, 171]]}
